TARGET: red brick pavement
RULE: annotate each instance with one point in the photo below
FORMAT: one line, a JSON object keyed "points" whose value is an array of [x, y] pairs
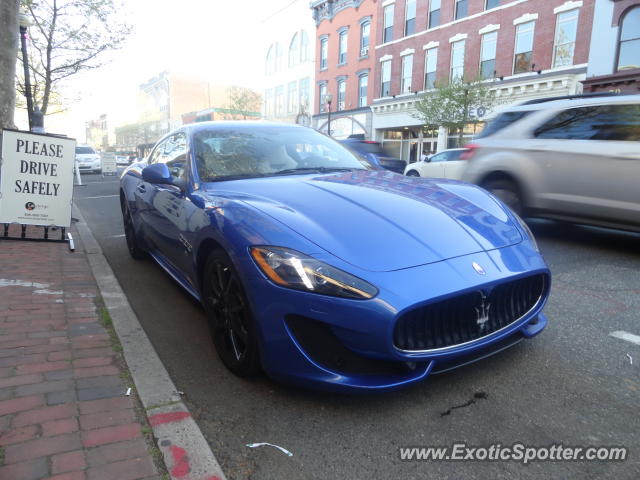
{"points": [[63, 410]]}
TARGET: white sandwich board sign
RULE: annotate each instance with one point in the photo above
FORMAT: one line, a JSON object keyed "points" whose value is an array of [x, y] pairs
{"points": [[36, 179], [108, 163]]}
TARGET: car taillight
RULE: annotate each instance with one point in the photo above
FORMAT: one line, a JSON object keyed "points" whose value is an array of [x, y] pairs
{"points": [[469, 152]]}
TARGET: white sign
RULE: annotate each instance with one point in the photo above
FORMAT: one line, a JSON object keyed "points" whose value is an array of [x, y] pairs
{"points": [[36, 179], [108, 163]]}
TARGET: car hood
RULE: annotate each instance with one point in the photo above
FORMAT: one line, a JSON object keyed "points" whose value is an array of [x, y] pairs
{"points": [[380, 221]]}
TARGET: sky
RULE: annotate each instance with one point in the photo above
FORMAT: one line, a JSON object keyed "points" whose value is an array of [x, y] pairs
{"points": [[221, 40]]}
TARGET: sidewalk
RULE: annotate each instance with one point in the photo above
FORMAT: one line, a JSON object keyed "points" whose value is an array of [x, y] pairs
{"points": [[64, 409], [64, 413]]}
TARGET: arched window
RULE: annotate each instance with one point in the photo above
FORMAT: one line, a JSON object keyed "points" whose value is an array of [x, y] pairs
{"points": [[278, 65], [629, 48], [270, 63], [304, 47], [294, 50]]}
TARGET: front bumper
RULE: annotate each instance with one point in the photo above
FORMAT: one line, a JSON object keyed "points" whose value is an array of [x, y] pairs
{"points": [[347, 345]]}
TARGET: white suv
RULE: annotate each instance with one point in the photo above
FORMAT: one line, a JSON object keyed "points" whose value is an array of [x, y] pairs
{"points": [[576, 159]]}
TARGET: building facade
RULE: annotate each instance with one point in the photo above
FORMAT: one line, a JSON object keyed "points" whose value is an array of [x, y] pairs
{"points": [[97, 133], [523, 49], [289, 65], [614, 57], [345, 67]]}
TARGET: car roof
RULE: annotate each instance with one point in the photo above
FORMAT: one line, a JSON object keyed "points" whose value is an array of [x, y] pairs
{"points": [[571, 101]]}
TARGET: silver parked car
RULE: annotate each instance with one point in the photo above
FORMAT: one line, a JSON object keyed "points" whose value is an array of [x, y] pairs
{"points": [[575, 159]]}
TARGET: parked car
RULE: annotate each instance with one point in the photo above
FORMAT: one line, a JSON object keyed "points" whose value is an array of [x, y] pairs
{"points": [[575, 159], [87, 159], [326, 273], [446, 164], [122, 160], [373, 153]]}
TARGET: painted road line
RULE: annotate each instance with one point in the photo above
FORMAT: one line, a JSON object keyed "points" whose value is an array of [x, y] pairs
{"points": [[101, 196], [629, 337]]}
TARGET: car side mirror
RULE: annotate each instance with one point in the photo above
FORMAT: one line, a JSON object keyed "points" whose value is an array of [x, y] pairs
{"points": [[157, 173]]}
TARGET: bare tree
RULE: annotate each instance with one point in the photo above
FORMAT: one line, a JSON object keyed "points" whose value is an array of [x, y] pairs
{"points": [[245, 101], [8, 51], [67, 37]]}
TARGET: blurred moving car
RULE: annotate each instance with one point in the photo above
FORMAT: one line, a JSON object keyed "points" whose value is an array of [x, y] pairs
{"points": [[324, 272], [87, 159], [374, 154], [575, 159], [446, 164]]}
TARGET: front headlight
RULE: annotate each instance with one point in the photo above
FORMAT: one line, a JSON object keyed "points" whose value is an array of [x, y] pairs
{"points": [[292, 269], [526, 228]]}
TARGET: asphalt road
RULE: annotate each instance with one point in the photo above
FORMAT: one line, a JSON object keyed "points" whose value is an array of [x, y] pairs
{"points": [[573, 385]]}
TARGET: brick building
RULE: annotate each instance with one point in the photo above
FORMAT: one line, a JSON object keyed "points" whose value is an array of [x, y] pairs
{"points": [[614, 58], [526, 49], [345, 37]]}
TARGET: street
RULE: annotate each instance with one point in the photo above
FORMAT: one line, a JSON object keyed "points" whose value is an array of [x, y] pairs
{"points": [[575, 384]]}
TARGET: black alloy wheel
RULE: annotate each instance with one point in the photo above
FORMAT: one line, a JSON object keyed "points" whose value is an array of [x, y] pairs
{"points": [[130, 234], [412, 173], [230, 319], [507, 191]]}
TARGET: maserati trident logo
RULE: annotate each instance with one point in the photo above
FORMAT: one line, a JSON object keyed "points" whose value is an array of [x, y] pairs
{"points": [[478, 268], [482, 312]]}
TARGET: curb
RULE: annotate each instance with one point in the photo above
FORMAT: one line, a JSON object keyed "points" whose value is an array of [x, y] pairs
{"points": [[186, 452]]}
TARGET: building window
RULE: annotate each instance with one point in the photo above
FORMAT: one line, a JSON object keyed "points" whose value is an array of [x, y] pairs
{"points": [[407, 73], [324, 49], [304, 93], [342, 92], [461, 9], [385, 78], [488, 55], [342, 52], [434, 13], [629, 56], [278, 65], [457, 60], [292, 97], [322, 93], [489, 4], [294, 50], [410, 18], [363, 84], [270, 64], [268, 102], [279, 101], [304, 47], [430, 64], [565, 42], [365, 32], [524, 47], [387, 32]]}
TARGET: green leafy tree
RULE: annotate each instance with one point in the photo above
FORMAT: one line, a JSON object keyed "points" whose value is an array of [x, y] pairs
{"points": [[68, 37], [245, 101], [455, 105]]}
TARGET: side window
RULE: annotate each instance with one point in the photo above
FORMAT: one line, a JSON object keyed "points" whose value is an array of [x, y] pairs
{"points": [[454, 155], [175, 155], [606, 122], [157, 152], [441, 157]]}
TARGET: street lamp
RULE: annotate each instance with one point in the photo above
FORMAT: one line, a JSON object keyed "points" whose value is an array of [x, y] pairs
{"points": [[25, 22], [327, 98]]}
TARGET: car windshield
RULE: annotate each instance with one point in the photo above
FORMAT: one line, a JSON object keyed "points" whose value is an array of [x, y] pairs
{"points": [[84, 150], [229, 153], [501, 121]]}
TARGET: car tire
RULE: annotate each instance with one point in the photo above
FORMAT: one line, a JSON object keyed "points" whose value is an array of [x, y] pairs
{"points": [[413, 173], [231, 320], [133, 246], [507, 191]]}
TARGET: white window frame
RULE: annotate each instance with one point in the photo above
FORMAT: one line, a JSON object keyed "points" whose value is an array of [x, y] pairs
{"points": [[483, 42], [385, 65], [570, 15], [459, 44], [391, 8], [519, 29], [406, 16], [406, 74], [430, 53]]}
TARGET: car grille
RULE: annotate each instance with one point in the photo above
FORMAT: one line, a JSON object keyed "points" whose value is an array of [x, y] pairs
{"points": [[469, 316]]}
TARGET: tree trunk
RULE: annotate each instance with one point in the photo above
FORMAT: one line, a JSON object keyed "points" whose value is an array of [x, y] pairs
{"points": [[8, 55]]}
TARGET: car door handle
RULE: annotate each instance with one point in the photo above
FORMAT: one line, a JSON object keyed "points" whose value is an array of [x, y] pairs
{"points": [[141, 189]]}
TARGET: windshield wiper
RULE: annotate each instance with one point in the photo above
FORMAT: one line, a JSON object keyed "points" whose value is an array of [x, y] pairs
{"points": [[301, 170]]}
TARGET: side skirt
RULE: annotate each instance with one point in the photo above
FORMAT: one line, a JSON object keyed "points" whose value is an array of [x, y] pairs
{"points": [[174, 273]]}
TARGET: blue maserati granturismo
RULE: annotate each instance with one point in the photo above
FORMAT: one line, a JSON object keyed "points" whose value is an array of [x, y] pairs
{"points": [[320, 271]]}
